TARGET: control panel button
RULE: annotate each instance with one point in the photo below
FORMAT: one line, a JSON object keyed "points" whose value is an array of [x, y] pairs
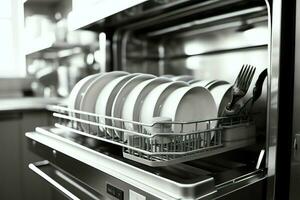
{"points": [[116, 192]]}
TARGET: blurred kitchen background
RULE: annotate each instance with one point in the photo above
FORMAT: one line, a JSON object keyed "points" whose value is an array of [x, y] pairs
{"points": [[42, 52], [41, 58], [49, 44]]}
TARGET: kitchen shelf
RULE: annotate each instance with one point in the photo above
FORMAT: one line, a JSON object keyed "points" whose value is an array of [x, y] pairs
{"points": [[40, 48]]}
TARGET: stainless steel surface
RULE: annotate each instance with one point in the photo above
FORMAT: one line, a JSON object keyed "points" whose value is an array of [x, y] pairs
{"points": [[64, 182], [185, 11], [208, 21], [295, 161], [96, 169], [205, 36], [157, 144], [245, 181], [272, 106], [58, 186], [145, 181]]}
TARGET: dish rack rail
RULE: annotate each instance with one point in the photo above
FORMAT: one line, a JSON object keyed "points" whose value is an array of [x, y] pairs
{"points": [[161, 143]]}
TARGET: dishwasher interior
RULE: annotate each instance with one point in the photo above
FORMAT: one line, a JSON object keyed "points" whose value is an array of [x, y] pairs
{"points": [[208, 39]]}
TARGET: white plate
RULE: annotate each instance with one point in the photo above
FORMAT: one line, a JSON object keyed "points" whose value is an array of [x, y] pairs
{"points": [[202, 83], [189, 104], [215, 83], [193, 81], [76, 93], [106, 97], [135, 98], [167, 76], [88, 101], [118, 103], [154, 101], [222, 96], [184, 78]]}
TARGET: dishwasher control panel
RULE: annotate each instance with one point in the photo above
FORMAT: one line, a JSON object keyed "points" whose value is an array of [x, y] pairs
{"points": [[112, 190]]}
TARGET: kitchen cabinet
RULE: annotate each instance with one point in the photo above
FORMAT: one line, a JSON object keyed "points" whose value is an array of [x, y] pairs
{"points": [[17, 181], [32, 186], [10, 173]]}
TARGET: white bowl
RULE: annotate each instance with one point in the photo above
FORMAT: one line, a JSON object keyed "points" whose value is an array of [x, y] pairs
{"points": [[222, 96], [154, 101], [89, 98], [76, 93], [185, 78], [134, 100], [106, 97], [189, 104], [118, 103]]}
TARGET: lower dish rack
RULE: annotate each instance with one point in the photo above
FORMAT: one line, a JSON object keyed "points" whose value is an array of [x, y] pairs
{"points": [[164, 142]]}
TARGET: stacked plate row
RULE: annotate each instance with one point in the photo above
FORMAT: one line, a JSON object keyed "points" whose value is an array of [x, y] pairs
{"points": [[148, 99]]}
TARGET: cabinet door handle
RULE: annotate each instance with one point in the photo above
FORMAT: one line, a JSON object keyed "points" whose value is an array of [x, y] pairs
{"points": [[295, 143], [55, 184]]}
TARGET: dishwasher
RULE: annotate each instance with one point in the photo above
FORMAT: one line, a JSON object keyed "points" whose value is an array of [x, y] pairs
{"points": [[206, 39]]}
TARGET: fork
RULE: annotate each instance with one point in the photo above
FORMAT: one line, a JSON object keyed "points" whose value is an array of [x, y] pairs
{"points": [[241, 85]]}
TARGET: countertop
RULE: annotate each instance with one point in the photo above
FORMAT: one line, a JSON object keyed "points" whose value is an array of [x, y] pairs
{"points": [[28, 103]]}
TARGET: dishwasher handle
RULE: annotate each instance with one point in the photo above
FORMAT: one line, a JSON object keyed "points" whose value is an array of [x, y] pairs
{"points": [[55, 184], [296, 146]]}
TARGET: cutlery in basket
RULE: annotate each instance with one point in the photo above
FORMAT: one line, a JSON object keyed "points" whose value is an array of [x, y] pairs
{"points": [[240, 87], [256, 93]]}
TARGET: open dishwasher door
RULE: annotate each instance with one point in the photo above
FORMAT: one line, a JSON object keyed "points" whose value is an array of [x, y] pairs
{"points": [[104, 173]]}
